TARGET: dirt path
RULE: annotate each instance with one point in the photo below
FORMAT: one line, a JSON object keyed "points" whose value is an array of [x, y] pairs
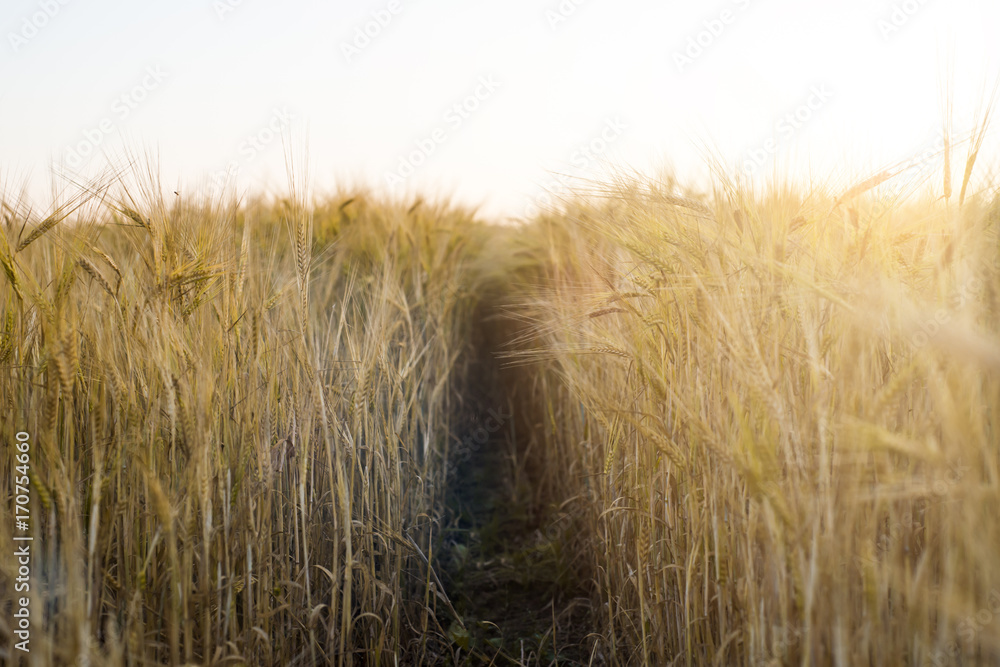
{"points": [[502, 564]]}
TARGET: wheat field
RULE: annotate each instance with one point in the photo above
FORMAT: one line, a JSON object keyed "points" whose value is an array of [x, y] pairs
{"points": [[742, 427]]}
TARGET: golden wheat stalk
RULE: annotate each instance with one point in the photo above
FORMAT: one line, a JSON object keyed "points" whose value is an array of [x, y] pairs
{"points": [[979, 135], [38, 231], [110, 262], [94, 273], [863, 186]]}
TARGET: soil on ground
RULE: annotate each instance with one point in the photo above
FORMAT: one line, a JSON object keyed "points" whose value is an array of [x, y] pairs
{"points": [[501, 560]]}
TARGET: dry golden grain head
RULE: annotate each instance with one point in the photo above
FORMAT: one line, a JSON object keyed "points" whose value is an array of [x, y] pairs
{"points": [[110, 262], [43, 493], [65, 284], [863, 186], [271, 302], [92, 271], [10, 270], [610, 349], [51, 412], [118, 385], [672, 452], [184, 414], [643, 541], [605, 311], [64, 368], [241, 272], [7, 347], [134, 216], [609, 459], [43, 227], [161, 504]]}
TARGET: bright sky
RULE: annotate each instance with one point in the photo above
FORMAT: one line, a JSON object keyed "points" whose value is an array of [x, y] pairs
{"points": [[484, 101]]}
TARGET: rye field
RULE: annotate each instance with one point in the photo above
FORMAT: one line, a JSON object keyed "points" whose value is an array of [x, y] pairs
{"points": [[652, 426]]}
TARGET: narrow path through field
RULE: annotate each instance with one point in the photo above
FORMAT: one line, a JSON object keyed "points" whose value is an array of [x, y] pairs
{"points": [[507, 577]]}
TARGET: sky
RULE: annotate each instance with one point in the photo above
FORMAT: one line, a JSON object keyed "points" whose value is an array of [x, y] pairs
{"points": [[506, 106]]}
